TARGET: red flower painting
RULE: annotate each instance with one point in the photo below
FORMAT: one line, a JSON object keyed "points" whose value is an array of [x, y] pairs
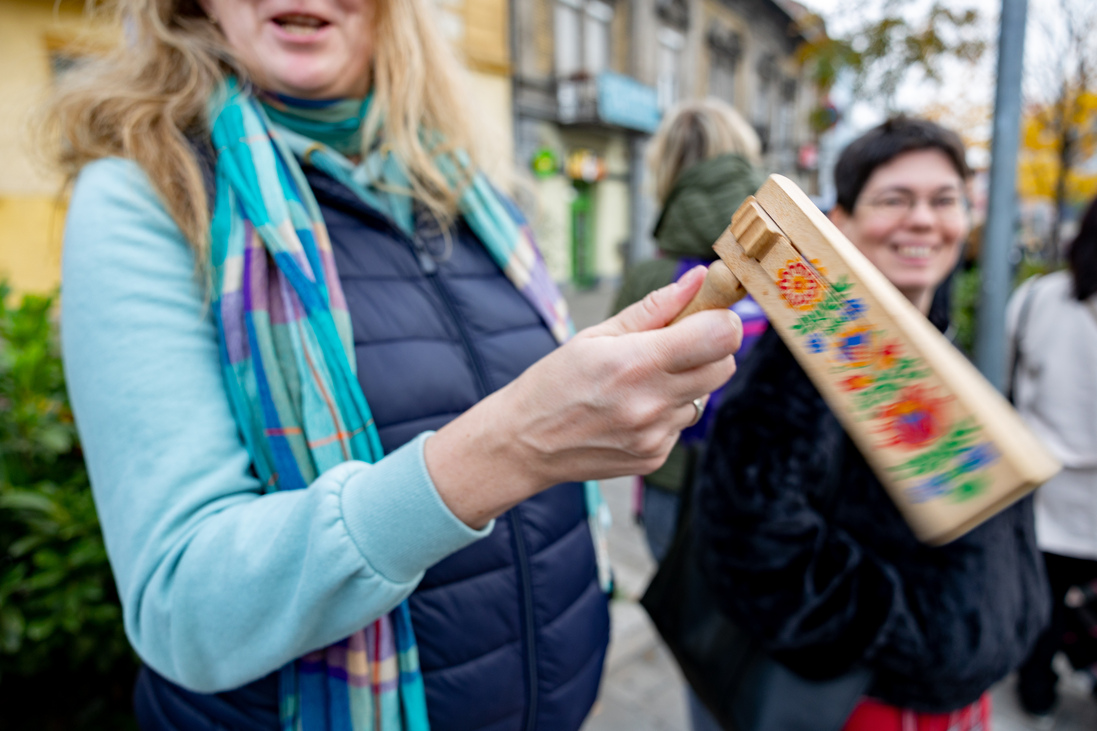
{"points": [[799, 285], [914, 420], [856, 383]]}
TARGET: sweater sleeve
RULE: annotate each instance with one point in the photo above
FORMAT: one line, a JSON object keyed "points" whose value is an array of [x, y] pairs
{"points": [[777, 566], [220, 583]]}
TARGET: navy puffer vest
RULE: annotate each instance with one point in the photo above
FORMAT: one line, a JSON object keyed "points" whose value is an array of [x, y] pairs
{"points": [[512, 630]]}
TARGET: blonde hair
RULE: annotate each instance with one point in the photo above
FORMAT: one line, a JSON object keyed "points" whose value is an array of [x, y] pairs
{"points": [[696, 131], [147, 100]]}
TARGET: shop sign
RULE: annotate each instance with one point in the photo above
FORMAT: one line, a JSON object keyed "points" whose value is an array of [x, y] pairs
{"points": [[586, 166], [626, 102], [544, 162]]}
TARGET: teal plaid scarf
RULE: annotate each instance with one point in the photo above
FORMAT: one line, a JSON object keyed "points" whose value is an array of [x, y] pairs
{"points": [[287, 355]]}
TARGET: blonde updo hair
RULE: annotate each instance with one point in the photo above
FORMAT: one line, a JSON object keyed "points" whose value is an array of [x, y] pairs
{"points": [[147, 101], [696, 131]]}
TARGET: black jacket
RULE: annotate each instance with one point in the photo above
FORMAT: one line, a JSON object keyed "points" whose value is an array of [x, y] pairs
{"points": [[803, 546]]}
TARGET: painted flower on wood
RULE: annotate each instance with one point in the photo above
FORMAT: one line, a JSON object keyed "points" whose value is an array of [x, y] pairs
{"points": [[855, 346], [856, 383], [799, 285], [914, 420]]}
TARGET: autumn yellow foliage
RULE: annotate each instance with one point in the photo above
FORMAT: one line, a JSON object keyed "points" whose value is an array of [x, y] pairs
{"points": [[1042, 134]]}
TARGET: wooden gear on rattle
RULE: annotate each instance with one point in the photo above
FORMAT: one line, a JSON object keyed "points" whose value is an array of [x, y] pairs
{"points": [[948, 448]]}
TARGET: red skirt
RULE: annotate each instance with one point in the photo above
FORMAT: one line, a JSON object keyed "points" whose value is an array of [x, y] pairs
{"points": [[871, 715]]}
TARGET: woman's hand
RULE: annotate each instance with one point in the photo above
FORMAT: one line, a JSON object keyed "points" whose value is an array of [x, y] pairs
{"points": [[610, 402]]}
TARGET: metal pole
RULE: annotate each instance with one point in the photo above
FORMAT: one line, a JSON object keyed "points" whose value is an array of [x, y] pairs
{"points": [[998, 234]]}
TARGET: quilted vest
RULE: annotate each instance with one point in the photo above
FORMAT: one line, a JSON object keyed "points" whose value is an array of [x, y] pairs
{"points": [[512, 630]]}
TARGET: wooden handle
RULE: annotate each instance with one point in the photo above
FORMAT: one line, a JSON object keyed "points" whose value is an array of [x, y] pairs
{"points": [[721, 290]]}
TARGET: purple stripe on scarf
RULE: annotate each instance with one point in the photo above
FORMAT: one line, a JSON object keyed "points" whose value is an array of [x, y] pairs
{"points": [[255, 271], [540, 290], [280, 294], [385, 652], [331, 278], [232, 326], [292, 309]]}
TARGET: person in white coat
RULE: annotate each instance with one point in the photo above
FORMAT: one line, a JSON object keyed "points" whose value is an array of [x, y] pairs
{"points": [[1052, 322]]}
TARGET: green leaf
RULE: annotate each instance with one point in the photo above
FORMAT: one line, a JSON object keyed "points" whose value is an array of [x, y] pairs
{"points": [[11, 629], [26, 500], [57, 439]]}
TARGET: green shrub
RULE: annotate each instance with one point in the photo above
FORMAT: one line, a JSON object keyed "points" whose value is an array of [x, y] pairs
{"points": [[64, 660], [965, 299]]}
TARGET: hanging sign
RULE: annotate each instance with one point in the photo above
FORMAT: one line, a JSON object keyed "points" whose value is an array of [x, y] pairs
{"points": [[585, 165], [544, 162]]}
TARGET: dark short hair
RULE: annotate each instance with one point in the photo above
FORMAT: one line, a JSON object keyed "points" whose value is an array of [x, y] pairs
{"points": [[882, 144], [1082, 255]]}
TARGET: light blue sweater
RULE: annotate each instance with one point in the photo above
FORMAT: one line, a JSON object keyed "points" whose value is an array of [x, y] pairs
{"points": [[220, 584]]}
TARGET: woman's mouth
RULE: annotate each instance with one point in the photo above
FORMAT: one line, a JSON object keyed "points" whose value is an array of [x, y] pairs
{"points": [[915, 251], [300, 25]]}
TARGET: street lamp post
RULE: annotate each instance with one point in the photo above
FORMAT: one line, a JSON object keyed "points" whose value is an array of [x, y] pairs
{"points": [[998, 234]]}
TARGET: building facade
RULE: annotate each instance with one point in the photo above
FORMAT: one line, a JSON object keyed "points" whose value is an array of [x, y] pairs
{"points": [[566, 95], [592, 79], [36, 42]]}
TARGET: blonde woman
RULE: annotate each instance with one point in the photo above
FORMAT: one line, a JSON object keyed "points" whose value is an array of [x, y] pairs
{"points": [[338, 457], [703, 160]]}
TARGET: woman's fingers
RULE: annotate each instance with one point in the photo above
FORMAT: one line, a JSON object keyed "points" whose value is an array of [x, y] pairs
{"points": [[704, 337], [610, 402], [699, 382]]}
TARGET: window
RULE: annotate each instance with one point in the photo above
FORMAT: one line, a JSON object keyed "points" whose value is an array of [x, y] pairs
{"points": [[785, 114], [669, 65], [596, 36], [721, 80], [725, 49], [582, 30], [763, 97]]}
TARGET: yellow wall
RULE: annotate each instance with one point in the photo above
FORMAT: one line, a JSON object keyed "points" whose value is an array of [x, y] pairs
{"points": [[492, 115], [478, 30], [30, 219], [30, 241], [486, 45]]}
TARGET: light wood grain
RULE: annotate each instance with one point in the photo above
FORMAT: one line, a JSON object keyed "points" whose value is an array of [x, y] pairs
{"points": [[720, 290], [948, 448]]}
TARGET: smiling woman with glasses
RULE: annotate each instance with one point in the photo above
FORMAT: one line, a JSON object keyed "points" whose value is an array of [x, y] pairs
{"points": [[798, 537], [902, 200], [898, 203]]}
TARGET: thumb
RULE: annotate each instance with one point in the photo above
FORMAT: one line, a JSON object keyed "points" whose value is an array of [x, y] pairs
{"points": [[656, 310]]}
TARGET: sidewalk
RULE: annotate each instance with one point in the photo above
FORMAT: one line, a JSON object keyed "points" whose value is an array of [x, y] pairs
{"points": [[642, 689]]}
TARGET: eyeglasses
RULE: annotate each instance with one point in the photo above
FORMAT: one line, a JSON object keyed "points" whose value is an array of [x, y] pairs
{"points": [[898, 205]]}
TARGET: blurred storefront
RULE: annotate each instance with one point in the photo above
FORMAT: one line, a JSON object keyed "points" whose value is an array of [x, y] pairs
{"points": [[592, 79], [566, 94]]}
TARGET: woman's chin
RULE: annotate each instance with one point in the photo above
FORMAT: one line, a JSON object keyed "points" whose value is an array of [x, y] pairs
{"points": [[308, 83]]}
